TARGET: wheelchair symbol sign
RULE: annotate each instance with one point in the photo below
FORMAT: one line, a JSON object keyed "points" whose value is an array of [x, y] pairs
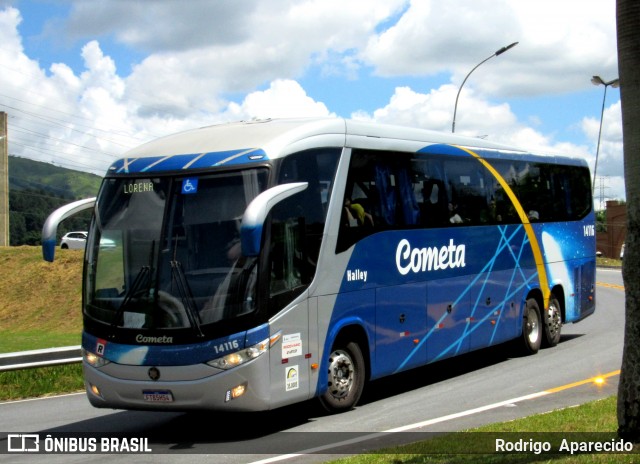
{"points": [[189, 185]]}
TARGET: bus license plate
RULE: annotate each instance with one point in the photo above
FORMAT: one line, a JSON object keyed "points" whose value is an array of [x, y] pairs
{"points": [[157, 396]]}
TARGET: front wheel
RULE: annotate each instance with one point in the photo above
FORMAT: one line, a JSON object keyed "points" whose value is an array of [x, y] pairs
{"points": [[531, 327], [345, 380], [552, 322]]}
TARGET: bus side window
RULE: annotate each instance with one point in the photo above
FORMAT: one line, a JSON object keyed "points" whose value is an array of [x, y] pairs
{"points": [[435, 210], [505, 212], [577, 180], [469, 201]]}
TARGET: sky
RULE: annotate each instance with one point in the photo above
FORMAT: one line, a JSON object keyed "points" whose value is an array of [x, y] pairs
{"points": [[84, 81]]}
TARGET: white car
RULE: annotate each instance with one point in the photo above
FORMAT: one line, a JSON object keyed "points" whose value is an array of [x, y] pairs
{"points": [[74, 240]]}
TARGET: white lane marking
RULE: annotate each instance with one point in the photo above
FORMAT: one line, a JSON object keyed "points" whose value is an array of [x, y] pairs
{"points": [[42, 398], [404, 428]]}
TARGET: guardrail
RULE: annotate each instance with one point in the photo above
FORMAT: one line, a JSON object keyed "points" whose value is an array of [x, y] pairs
{"points": [[40, 358]]}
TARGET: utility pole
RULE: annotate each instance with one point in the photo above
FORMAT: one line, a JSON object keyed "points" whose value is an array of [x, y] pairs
{"points": [[4, 181], [602, 188]]}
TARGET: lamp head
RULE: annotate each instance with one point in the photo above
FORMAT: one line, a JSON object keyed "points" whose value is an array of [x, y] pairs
{"points": [[504, 49], [597, 80]]}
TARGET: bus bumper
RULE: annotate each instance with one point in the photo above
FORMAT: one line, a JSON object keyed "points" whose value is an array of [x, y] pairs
{"points": [[179, 388]]}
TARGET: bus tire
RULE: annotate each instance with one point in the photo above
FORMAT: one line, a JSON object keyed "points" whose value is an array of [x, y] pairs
{"points": [[531, 327], [552, 322], [345, 379]]}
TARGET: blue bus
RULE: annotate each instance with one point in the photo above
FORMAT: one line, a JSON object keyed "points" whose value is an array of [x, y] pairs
{"points": [[252, 265]]}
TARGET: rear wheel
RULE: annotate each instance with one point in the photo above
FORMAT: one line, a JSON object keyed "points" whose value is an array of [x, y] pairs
{"points": [[552, 322], [345, 378], [531, 327]]}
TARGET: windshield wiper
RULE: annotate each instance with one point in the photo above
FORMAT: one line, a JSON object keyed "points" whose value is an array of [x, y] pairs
{"points": [[143, 275], [135, 286], [177, 275]]}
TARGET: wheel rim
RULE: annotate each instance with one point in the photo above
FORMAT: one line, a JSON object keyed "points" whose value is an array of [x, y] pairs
{"points": [[553, 319], [533, 326], [341, 374]]}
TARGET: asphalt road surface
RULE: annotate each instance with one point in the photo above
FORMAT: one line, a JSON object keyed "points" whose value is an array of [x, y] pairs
{"points": [[484, 387]]}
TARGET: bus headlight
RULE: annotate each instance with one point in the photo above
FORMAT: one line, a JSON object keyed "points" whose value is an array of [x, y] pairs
{"points": [[240, 357], [93, 359]]}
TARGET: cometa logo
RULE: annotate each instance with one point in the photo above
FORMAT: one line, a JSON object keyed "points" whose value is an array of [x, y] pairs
{"points": [[416, 260], [163, 339]]}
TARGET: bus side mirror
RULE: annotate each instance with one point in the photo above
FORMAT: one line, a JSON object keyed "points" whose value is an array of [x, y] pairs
{"points": [[256, 214], [51, 225]]}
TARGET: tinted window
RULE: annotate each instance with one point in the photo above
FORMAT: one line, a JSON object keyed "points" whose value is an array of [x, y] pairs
{"points": [[393, 190], [297, 224]]}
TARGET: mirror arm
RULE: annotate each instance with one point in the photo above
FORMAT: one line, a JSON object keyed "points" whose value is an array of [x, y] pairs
{"points": [[50, 228], [256, 214]]}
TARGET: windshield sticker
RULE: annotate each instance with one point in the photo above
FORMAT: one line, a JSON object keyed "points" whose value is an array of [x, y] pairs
{"points": [[291, 380], [137, 187], [291, 346], [100, 346], [189, 185]]}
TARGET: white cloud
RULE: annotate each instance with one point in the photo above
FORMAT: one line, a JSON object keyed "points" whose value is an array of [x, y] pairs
{"points": [[560, 45], [158, 25], [610, 169], [478, 117], [202, 62], [280, 40], [60, 117], [475, 117], [85, 120], [283, 99]]}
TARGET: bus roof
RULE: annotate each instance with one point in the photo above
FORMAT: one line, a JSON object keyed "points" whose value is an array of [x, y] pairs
{"points": [[247, 141]]}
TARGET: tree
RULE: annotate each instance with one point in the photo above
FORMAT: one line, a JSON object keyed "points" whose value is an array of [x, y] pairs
{"points": [[601, 221], [628, 22]]}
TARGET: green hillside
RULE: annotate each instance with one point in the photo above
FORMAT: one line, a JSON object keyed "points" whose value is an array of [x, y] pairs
{"points": [[26, 174], [36, 189]]}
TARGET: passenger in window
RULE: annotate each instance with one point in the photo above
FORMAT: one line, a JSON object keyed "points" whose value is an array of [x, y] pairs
{"points": [[355, 215], [454, 217], [533, 216], [493, 211], [233, 248]]}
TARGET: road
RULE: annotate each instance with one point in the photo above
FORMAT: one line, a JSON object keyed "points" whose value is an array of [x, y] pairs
{"points": [[475, 389]]}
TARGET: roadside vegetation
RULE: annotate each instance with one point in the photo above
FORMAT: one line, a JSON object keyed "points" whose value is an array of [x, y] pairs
{"points": [[595, 420], [40, 301], [608, 262], [40, 308], [40, 382]]}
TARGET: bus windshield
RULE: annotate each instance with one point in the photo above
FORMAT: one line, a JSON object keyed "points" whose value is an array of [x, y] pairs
{"points": [[165, 252]]}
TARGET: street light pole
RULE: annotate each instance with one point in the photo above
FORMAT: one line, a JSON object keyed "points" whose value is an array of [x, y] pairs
{"points": [[615, 83], [496, 53], [4, 182]]}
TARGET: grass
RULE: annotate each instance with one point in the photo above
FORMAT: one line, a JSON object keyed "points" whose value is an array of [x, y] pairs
{"points": [[591, 421], [40, 302], [609, 262], [13, 341], [40, 307], [40, 382]]}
